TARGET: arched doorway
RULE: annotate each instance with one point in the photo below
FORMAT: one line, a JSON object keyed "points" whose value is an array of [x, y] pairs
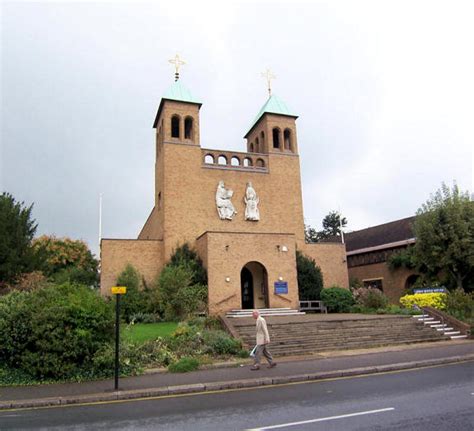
{"points": [[411, 280], [254, 286]]}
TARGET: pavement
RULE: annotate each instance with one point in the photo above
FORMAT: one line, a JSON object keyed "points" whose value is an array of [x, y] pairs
{"points": [[327, 365]]}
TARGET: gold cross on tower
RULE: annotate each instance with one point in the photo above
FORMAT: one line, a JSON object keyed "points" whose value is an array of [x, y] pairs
{"points": [[268, 75], [177, 64]]}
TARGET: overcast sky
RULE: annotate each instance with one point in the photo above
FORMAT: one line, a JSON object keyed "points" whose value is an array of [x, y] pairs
{"points": [[384, 91]]}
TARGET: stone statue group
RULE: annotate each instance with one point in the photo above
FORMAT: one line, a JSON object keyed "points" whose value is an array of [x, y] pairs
{"points": [[226, 209]]}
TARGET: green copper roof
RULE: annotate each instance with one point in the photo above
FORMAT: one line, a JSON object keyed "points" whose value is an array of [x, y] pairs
{"points": [[274, 105], [179, 92]]}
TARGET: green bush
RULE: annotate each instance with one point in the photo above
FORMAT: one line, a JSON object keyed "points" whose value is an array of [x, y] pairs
{"points": [[136, 300], [370, 297], [53, 332], [187, 257], [337, 299], [220, 343], [180, 298], [310, 278], [184, 365], [460, 305]]}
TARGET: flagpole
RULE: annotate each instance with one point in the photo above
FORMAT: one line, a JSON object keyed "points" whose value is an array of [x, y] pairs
{"points": [[100, 220]]}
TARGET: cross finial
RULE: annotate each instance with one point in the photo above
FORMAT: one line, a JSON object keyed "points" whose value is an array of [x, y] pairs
{"points": [[268, 75], [177, 64]]}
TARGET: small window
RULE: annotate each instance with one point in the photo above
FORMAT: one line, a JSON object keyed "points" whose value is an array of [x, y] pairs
{"points": [[188, 128], [175, 126], [287, 139], [260, 163], [376, 283], [235, 161], [257, 145], [159, 200], [251, 147], [276, 138], [222, 160], [247, 162], [209, 159]]}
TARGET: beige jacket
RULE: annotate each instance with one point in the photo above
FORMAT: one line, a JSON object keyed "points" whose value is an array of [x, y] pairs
{"points": [[262, 332]]}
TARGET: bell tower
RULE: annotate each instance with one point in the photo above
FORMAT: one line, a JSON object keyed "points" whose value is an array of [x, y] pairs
{"points": [[274, 127], [176, 122]]}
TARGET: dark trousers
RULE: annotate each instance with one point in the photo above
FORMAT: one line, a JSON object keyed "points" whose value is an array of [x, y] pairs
{"points": [[262, 350]]}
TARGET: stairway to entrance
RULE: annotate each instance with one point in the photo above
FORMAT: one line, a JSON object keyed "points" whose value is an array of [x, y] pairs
{"points": [[264, 312], [295, 335], [440, 326]]}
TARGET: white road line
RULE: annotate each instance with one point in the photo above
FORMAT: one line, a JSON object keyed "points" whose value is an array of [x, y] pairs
{"points": [[329, 418]]}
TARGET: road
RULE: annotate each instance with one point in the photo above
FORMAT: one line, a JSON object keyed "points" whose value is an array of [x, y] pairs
{"points": [[437, 398]]}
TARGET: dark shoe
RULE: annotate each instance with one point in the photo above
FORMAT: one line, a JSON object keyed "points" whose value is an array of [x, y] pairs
{"points": [[273, 364], [254, 367]]}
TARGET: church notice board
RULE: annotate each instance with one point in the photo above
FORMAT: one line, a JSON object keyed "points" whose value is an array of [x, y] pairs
{"points": [[281, 287]]}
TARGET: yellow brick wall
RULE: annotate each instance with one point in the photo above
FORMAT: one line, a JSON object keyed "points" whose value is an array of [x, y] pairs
{"points": [[393, 280], [145, 255], [331, 258], [228, 253]]}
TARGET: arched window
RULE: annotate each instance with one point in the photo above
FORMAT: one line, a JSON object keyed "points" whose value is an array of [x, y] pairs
{"points": [[260, 163], [247, 162], [175, 126], [209, 159], [222, 160], [257, 146], [188, 128], [276, 137], [287, 139], [251, 147], [235, 161]]}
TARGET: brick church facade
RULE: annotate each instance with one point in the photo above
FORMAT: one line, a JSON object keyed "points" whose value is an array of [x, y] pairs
{"points": [[241, 211]]}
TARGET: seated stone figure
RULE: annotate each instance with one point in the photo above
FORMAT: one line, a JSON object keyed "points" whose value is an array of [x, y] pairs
{"points": [[225, 208]]}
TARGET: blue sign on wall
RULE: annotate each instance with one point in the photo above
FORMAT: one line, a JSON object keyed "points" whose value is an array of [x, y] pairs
{"points": [[430, 290], [281, 287]]}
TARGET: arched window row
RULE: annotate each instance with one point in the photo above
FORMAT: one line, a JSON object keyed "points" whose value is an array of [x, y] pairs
{"points": [[188, 127], [282, 143], [233, 161]]}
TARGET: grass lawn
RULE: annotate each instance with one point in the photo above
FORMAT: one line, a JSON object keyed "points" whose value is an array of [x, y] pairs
{"points": [[142, 332]]}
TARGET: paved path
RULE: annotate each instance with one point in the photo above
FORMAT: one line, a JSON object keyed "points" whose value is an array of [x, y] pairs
{"points": [[284, 369]]}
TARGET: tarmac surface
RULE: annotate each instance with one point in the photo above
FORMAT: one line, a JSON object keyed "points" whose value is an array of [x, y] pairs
{"points": [[331, 364]]}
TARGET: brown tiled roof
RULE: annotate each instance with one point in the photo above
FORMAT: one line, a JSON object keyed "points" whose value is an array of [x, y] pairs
{"points": [[386, 233]]}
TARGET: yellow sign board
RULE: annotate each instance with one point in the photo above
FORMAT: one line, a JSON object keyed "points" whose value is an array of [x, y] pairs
{"points": [[119, 290]]}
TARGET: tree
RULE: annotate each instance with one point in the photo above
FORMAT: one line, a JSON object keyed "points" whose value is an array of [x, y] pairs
{"points": [[17, 229], [66, 260], [332, 224], [310, 278], [444, 231]]}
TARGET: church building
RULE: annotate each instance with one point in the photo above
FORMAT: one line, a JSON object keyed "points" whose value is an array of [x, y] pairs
{"points": [[242, 211]]}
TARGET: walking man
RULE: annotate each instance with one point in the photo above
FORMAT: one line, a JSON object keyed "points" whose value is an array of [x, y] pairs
{"points": [[262, 340]]}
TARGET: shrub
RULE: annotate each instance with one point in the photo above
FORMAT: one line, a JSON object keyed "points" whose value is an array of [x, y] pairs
{"points": [[435, 300], [337, 299], [370, 297], [29, 281], [145, 318], [180, 298], [310, 278], [460, 305], [55, 331], [219, 343], [187, 257], [184, 365], [136, 299]]}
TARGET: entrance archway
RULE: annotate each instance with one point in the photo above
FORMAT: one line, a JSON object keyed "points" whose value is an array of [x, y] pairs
{"points": [[254, 286]]}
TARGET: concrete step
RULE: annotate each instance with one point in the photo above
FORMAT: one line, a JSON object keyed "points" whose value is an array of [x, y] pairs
{"points": [[458, 337], [452, 333], [432, 322], [444, 329]]}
